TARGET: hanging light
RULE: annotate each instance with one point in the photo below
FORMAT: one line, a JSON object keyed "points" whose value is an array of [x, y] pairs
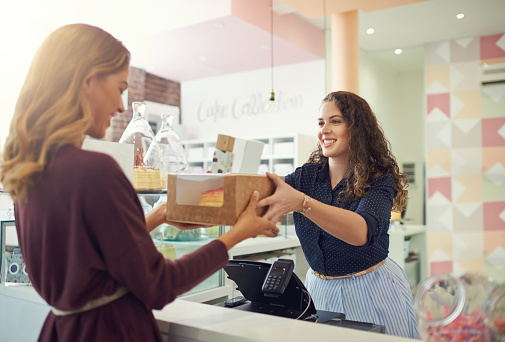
{"points": [[325, 57], [272, 104]]}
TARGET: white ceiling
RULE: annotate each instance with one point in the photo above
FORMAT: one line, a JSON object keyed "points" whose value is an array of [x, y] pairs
{"points": [[408, 27], [179, 39], [411, 27]]}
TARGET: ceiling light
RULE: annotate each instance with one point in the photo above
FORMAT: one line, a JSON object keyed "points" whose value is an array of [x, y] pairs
{"points": [[264, 46], [219, 25], [370, 31], [202, 58], [398, 51], [460, 16]]}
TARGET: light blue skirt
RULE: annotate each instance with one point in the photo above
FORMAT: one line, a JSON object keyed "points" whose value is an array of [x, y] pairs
{"points": [[382, 296]]}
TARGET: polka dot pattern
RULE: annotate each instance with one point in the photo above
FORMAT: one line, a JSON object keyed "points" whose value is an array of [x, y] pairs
{"points": [[325, 253]]}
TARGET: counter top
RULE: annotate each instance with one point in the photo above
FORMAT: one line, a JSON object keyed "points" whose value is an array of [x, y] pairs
{"points": [[188, 321], [407, 229]]}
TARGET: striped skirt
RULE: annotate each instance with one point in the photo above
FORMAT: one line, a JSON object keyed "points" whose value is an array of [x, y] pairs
{"points": [[382, 296]]}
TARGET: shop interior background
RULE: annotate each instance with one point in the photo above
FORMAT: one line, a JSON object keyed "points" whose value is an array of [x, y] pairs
{"points": [[219, 54]]}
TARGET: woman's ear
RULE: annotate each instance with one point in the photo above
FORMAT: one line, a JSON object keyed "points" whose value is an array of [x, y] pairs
{"points": [[87, 84]]}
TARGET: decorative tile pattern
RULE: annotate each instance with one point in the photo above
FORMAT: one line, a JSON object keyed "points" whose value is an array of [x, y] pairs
{"points": [[442, 186], [494, 216], [493, 131], [465, 161], [468, 265], [465, 132], [493, 101], [465, 76], [438, 79], [441, 267], [439, 163], [492, 46], [437, 53], [468, 217], [466, 104], [467, 189], [468, 245], [466, 49]]}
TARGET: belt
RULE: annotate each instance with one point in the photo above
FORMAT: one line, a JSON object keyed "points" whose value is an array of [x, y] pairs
{"points": [[93, 304], [323, 276]]}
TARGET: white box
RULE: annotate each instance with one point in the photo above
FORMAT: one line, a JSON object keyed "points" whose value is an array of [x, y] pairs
{"points": [[247, 156], [122, 153]]}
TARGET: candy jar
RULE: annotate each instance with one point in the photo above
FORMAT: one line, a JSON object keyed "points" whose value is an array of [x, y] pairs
{"points": [[450, 308], [495, 314], [139, 133]]}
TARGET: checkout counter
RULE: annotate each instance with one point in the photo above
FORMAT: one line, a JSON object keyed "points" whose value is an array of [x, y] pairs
{"points": [[185, 321], [262, 315]]}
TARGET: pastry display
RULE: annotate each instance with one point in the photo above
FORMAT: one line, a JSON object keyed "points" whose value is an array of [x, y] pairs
{"points": [[146, 178], [212, 198], [175, 234], [168, 251]]}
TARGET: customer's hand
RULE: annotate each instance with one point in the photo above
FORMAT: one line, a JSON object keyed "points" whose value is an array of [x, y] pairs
{"points": [[158, 216], [187, 226], [285, 199], [249, 225]]}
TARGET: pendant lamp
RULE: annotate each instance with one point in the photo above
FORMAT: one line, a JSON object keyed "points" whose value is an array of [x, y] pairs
{"points": [[272, 104]]}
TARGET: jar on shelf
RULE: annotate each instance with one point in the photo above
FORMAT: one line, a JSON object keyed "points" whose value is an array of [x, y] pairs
{"points": [[158, 235], [167, 153], [139, 133], [495, 313], [146, 207], [450, 308]]}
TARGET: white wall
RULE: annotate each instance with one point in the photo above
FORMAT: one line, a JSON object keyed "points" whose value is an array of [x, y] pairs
{"points": [[398, 101], [236, 104]]}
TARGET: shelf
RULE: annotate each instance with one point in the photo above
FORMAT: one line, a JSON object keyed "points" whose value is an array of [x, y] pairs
{"points": [[293, 150], [264, 244], [417, 243], [408, 230]]}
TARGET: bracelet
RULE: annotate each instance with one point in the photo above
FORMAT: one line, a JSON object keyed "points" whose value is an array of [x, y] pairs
{"points": [[306, 200]]}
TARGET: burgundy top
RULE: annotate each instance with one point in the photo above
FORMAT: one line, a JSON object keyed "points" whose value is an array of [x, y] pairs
{"points": [[82, 234]]}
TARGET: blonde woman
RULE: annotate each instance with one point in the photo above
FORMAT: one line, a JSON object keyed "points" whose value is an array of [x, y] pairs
{"points": [[80, 225]]}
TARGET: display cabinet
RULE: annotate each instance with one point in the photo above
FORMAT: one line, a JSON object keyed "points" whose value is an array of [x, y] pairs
{"points": [[281, 154], [408, 248], [172, 244]]}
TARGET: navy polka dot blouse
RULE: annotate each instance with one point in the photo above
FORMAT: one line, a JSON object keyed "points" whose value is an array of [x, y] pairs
{"points": [[325, 253]]}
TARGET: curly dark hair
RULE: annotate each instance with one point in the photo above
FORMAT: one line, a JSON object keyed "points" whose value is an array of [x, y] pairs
{"points": [[369, 151]]}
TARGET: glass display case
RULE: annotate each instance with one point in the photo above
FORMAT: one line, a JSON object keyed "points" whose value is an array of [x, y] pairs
{"points": [[11, 266], [170, 241]]}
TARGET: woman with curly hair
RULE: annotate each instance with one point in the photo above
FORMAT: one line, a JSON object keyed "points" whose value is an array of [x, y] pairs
{"points": [[80, 225], [342, 200]]}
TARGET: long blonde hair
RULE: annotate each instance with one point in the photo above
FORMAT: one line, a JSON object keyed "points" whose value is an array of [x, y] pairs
{"points": [[52, 109]]}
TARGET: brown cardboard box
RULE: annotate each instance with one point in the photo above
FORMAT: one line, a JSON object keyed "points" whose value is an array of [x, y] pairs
{"points": [[225, 143], [183, 196]]}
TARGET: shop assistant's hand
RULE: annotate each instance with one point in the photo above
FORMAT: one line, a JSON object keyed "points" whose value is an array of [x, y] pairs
{"points": [[158, 216], [284, 200], [249, 225]]}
